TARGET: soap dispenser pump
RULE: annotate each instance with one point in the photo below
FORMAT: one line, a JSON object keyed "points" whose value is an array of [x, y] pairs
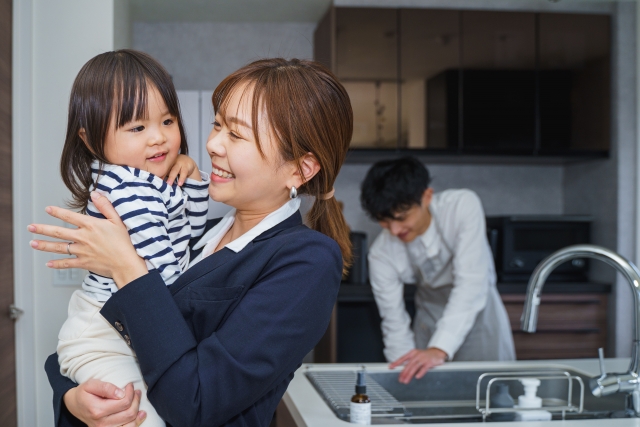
{"points": [[530, 400]]}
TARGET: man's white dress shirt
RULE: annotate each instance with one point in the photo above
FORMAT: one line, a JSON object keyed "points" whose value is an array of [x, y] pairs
{"points": [[453, 251]]}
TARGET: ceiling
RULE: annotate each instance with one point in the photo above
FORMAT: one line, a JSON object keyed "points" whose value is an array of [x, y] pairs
{"points": [[229, 10]]}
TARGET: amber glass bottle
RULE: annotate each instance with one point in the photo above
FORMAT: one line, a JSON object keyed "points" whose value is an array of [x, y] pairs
{"points": [[360, 408]]}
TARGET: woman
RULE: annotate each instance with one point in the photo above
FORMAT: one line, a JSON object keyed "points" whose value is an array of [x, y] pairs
{"points": [[220, 345]]}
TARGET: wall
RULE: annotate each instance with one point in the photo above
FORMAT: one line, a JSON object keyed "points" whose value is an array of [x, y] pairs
{"points": [[198, 55], [122, 28], [52, 40], [503, 189], [606, 189]]}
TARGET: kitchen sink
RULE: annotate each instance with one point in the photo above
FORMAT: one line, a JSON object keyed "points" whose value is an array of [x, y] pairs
{"points": [[449, 395]]}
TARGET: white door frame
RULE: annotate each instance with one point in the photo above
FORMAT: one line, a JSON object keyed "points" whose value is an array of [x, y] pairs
{"points": [[22, 114]]}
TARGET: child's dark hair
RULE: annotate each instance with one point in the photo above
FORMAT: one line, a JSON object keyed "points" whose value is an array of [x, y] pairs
{"points": [[393, 186], [111, 86]]}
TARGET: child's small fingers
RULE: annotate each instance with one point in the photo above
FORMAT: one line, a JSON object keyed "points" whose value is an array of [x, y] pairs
{"points": [[172, 175]]}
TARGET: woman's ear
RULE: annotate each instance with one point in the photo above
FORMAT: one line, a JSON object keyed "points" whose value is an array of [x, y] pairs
{"points": [[309, 166]]}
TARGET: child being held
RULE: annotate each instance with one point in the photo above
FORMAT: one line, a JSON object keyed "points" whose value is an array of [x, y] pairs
{"points": [[125, 139]]}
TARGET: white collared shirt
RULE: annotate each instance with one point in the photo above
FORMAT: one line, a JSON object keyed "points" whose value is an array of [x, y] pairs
{"points": [[455, 252], [212, 238]]}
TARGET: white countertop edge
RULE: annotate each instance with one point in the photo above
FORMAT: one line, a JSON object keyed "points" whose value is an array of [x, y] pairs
{"points": [[309, 409]]}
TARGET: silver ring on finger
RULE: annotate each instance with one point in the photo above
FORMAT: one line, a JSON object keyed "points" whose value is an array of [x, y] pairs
{"points": [[68, 248]]}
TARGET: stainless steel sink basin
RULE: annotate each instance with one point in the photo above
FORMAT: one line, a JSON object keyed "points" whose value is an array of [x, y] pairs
{"points": [[446, 395]]}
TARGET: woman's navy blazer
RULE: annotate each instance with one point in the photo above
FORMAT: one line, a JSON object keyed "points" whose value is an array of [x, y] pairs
{"points": [[220, 345]]}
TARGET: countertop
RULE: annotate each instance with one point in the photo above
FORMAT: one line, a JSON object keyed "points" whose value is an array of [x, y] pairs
{"points": [[308, 409]]}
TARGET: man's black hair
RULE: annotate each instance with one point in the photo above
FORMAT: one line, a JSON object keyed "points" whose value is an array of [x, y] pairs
{"points": [[393, 186]]}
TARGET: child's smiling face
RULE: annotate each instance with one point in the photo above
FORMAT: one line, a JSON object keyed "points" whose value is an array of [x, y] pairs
{"points": [[151, 144]]}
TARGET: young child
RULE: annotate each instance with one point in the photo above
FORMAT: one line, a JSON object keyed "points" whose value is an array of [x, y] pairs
{"points": [[125, 140]]}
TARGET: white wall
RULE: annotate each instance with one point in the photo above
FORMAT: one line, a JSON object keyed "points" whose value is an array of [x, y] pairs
{"points": [[52, 40]]}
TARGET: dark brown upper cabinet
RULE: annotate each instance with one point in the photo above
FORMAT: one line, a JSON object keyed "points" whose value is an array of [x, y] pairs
{"points": [[472, 82], [575, 55], [495, 89], [430, 45], [366, 63]]}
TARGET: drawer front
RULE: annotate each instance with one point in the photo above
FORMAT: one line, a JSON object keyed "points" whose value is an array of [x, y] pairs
{"points": [[550, 345], [586, 313], [569, 326]]}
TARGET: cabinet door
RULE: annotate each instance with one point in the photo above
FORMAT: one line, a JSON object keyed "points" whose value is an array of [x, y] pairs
{"points": [[367, 65], [429, 46], [498, 82], [574, 82]]}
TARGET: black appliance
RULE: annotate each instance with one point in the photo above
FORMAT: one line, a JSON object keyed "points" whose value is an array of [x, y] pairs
{"points": [[520, 242], [358, 273]]}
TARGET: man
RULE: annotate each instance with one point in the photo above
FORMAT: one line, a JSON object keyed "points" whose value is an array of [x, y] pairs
{"points": [[437, 241]]}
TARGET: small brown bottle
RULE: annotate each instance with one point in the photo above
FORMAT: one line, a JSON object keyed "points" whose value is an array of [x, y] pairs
{"points": [[360, 407]]}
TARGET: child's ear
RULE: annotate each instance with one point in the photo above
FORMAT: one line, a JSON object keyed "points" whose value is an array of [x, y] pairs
{"points": [[83, 136]]}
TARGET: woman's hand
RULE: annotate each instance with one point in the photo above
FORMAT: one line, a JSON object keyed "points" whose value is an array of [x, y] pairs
{"points": [[100, 404], [185, 167], [418, 362], [99, 245]]}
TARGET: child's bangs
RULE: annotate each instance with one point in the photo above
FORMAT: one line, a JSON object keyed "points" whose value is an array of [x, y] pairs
{"points": [[130, 98]]}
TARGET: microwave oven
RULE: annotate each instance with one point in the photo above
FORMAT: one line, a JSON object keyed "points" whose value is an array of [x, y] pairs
{"points": [[520, 242]]}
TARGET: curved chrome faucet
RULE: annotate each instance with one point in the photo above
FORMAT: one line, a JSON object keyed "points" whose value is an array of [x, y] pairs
{"points": [[606, 383]]}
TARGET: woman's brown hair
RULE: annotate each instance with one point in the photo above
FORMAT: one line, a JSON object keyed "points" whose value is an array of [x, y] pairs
{"points": [[309, 112], [110, 84]]}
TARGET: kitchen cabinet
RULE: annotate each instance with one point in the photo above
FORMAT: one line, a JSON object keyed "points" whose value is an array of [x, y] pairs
{"points": [[579, 47], [570, 326], [430, 45], [452, 82], [498, 40], [572, 323], [366, 65]]}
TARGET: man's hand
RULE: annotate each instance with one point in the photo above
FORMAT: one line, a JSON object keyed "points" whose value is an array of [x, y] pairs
{"points": [[184, 167], [418, 362]]}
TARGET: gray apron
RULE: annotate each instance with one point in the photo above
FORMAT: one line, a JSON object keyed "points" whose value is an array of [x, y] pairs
{"points": [[490, 337]]}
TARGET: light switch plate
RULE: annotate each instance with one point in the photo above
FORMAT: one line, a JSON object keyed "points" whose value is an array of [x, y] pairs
{"points": [[68, 277]]}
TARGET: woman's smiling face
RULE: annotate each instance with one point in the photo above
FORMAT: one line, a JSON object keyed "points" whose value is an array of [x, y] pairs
{"points": [[242, 177]]}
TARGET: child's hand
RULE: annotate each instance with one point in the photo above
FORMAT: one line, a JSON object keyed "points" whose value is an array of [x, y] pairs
{"points": [[185, 167]]}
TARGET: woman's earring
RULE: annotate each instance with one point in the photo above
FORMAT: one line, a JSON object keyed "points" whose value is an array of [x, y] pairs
{"points": [[293, 193]]}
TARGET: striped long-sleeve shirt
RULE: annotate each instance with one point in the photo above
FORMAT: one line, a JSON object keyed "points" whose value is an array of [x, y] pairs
{"points": [[160, 218]]}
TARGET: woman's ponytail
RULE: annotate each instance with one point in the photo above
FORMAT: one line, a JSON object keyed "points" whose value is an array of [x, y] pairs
{"points": [[326, 217]]}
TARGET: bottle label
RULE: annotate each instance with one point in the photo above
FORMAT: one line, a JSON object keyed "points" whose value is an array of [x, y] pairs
{"points": [[360, 413]]}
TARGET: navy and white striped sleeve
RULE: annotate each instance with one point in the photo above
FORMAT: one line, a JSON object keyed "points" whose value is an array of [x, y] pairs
{"points": [[145, 215], [197, 203]]}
